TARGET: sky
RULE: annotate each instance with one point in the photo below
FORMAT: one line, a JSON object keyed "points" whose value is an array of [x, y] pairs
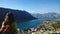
{"points": [[32, 6]]}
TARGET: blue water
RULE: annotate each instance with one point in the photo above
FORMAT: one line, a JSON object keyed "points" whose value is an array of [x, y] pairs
{"points": [[29, 24]]}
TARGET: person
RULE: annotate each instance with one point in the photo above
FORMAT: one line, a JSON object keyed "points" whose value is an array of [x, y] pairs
{"points": [[9, 26]]}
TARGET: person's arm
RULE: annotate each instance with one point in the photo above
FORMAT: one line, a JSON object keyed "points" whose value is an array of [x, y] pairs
{"points": [[2, 26]]}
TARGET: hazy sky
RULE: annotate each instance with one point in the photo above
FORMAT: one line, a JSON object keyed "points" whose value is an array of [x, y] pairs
{"points": [[32, 6]]}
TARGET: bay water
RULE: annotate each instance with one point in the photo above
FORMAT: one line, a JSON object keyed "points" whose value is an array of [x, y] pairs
{"points": [[29, 24]]}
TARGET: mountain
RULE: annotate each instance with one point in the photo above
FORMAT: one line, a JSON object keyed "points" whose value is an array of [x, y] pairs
{"points": [[47, 16], [19, 15]]}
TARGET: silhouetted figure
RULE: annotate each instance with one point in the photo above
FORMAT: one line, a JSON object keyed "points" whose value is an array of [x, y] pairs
{"points": [[9, 25]]}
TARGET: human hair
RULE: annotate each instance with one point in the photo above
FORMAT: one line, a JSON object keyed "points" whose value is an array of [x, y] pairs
{"points": [[9, 19]]}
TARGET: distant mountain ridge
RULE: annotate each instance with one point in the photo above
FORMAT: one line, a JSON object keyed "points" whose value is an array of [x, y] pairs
{"points": [[19, 15], [47, 16]]}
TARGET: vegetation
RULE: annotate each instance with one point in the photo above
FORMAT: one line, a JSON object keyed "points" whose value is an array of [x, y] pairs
{"points": [[56, 25]]}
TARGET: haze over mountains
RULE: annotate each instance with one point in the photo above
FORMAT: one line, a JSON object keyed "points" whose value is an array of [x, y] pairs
{"points": [[47, 16]]}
